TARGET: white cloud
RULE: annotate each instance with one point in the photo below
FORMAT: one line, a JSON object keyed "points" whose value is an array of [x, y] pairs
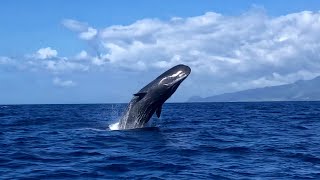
{"points": [[82, 55], [46, 53], [89, 34], [63, 83], [98, 61], [64, 65], [74, 25], [5, 60], [273, 80], [247, 49], [226, 53], [85, 32], [51, 62]]}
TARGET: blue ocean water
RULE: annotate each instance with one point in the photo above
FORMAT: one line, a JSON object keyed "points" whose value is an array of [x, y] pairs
{"points": [[271, 140]]}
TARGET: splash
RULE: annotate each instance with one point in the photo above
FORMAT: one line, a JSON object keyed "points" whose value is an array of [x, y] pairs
{"points": [[115, 113], [125, 116], [114, 126], [123, 120]]}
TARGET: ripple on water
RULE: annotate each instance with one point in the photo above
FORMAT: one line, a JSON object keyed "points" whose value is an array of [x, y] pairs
{"points": [[190, 141]]}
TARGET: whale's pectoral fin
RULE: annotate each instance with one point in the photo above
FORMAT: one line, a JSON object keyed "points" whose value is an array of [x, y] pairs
{"points": [[158, 111], [140, 94]]}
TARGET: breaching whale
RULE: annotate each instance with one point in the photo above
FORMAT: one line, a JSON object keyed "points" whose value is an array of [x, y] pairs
{"points": [[149, 99]]}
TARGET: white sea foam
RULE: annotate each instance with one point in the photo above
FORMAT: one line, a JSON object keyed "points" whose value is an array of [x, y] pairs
{"points": [[90, 129], [114, 126]]}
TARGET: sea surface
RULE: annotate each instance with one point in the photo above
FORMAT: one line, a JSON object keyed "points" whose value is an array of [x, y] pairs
{"points": [[268, 140]]}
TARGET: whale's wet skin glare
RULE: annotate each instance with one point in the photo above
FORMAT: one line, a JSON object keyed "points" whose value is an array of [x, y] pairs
{"points": [[149, 100]]}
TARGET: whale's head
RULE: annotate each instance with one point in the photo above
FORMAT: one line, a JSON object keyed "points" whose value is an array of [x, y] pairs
{"points": [[173, 77], [167, 83], [160, 89]]}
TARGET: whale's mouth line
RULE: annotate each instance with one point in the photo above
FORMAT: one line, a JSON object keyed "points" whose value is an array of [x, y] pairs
{"points": [[181, 77]]}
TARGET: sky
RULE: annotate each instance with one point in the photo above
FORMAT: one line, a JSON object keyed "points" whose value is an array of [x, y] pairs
{"points": [[80, 51]]}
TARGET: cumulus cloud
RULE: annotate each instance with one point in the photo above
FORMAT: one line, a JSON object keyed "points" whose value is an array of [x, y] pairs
{"points": [[85, 31], [252, 48], [64, 65], [226, 53], [46, 53], [89, 34], [51, 62], [63, 83]]}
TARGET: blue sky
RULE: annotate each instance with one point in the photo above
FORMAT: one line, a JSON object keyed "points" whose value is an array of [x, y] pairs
{"points": [[84, 52]]}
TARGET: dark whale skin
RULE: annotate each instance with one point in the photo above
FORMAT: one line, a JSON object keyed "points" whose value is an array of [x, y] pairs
{"points": [[151, 97]]}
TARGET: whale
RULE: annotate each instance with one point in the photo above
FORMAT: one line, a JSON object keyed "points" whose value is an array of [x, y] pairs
{"points": [[149, 99]]}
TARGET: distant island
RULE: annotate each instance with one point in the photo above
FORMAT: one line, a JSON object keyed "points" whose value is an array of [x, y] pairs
{"points": [[302, 90]]}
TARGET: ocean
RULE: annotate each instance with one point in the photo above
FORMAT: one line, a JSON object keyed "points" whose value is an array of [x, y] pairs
{"points": [[256, 140]]}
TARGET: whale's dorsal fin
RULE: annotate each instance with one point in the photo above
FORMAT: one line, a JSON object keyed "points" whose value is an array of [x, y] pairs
{"points": [[158, 111], [140, 94]]}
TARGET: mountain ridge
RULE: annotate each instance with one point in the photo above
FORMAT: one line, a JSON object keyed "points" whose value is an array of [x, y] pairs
{"points": [[301, 90]]}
